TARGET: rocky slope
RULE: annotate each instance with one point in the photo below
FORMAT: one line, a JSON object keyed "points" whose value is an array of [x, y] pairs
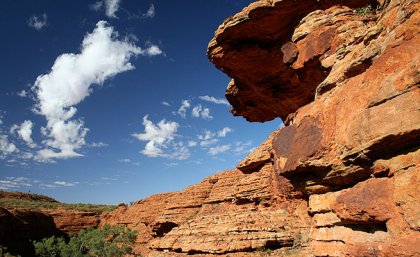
{"points": [[342, 178], [27, 217]]}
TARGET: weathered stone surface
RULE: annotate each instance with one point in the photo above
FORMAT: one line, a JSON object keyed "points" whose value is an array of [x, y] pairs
{"points": [[253, 48], [259, 157], [341, 179], [20, 227], [71, 221], [407, 195]]}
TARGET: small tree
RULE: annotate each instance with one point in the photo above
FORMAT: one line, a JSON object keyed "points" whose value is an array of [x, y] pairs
{"points": [[107, 241]]}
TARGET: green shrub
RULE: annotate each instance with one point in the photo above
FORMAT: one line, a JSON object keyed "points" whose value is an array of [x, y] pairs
{"points": [[363, 11], [105, 242], [4, 253]]}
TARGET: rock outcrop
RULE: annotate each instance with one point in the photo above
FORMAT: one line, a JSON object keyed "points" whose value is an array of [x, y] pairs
{"points": [[20, 227], [342, 177]]}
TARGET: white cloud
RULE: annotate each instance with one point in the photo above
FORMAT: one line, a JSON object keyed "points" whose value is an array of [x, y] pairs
{"points": [[207, 138], [111, 7], [243, 147], [24, 131], [159, 138], [224, 132], [14, 183], [219, 149], [102, 56], [184, 107], [96, 6], [6, 147], [38, 22], [66, 184], [165, 103], [152, 50], [192, 143], [22, 93], [199, 111], [98, 144], [214, 100], [151, 12]]}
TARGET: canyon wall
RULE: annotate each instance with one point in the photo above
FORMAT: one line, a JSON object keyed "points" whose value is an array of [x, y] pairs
{"points": [[342, 177]]}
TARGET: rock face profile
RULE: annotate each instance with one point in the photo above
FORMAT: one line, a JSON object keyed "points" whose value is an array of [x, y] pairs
{"points": [[342, 177]]}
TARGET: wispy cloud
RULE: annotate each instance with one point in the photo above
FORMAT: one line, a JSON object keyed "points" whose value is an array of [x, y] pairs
{"points": [[151, 12], [22, 93], [214, 100], [127, 160], [38, 22], [70, 81], [165, 103], [110, 6], [11, 183], [219, 149], [183, 108], [65, 183], [207, 138], [224, 132], [98, 144]]}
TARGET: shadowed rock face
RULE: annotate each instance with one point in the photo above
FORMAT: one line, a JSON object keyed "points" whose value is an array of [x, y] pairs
{"points": [[341, 179], [20, 227]]}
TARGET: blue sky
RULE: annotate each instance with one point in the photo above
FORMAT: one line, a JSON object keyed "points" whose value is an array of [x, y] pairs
{"points": [[111, 101]]}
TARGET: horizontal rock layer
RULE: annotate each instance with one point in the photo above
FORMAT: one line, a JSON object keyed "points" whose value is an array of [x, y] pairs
{"points": [[341, 178]]}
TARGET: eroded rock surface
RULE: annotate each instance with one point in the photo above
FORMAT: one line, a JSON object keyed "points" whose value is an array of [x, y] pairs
{"points": [[342, 177]]}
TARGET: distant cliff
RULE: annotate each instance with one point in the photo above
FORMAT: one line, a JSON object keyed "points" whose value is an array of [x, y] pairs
{"points": [[27, 217]]}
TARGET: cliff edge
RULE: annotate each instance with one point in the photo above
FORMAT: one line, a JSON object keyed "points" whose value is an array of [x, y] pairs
{"points": [[342, 177]]}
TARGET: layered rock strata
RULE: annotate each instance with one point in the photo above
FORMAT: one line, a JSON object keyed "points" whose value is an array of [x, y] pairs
{"points": [[342, 177]]}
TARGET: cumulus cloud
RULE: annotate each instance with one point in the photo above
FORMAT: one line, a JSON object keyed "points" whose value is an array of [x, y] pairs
{"points": [[219, 149], [224, 132], [198, 111], [102, 56], [6, 147], [24, 131], [214, 100], [160, 140], [38, 22], [184, 107]]}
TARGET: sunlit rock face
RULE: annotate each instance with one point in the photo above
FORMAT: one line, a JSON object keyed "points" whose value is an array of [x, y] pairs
{"points": [[342, 177]]}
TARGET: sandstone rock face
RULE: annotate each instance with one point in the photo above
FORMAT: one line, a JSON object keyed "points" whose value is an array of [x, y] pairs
{"points": [[20, 227], [342, 178], [72, 221]]}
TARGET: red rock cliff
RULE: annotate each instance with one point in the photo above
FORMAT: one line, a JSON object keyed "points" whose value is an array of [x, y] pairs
{"points": [[342, 178]]}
